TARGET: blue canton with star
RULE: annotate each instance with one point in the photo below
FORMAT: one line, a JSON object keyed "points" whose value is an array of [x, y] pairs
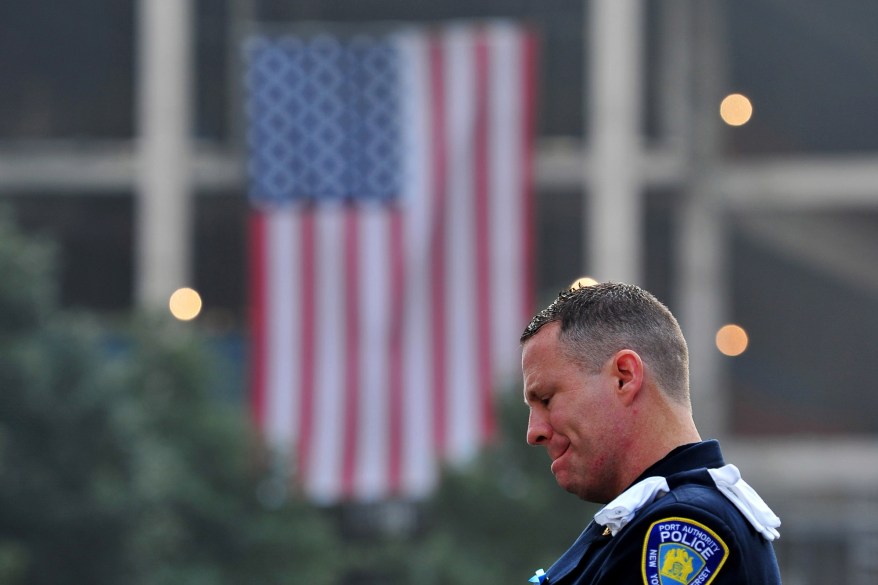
{"points": [[324, 118]]}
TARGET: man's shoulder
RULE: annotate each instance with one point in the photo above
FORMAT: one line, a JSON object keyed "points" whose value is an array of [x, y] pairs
{"points": [[697, 495], [703, 503], [697, 528]]}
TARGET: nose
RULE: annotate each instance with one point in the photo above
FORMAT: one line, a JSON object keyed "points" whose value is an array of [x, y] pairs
{"points": [[538, 429]]}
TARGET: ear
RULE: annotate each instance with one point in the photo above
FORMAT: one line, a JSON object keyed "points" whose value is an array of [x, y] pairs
{"points": [[628, 371]]}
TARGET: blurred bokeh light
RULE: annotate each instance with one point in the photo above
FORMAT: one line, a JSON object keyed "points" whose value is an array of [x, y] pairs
{"points": [[583, 281], [736, 109], [185, 304], [732, 340]]}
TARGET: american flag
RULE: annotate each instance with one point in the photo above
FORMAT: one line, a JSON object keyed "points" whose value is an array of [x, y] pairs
{"points": [[391, 244]]}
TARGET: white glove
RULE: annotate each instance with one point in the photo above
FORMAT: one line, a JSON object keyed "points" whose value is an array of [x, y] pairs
{"points": [[728, 481]]}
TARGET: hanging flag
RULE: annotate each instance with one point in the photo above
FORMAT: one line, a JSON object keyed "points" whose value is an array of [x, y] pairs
{"points": [[391, 243]]}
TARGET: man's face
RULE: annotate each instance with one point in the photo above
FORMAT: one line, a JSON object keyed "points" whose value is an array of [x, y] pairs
{"points": [[573, 415]]}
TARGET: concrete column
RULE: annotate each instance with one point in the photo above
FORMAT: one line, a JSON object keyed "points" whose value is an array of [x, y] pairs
{"points": [[702, 288], [703, 306], [674, 92], [614, 229], [163, 182]]}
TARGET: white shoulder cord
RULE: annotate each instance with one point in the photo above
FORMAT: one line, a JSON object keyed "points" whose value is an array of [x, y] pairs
{"points": [[621, 510]]}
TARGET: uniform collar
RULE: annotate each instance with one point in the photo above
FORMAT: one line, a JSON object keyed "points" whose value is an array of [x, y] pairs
{"points": [[683, 458]]}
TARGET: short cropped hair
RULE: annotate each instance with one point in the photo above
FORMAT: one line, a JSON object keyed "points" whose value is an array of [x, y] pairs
{"points": [[599, 320]]}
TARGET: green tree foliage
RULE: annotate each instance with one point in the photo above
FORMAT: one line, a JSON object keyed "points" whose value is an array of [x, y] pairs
{"points": [[117, 466], [493, 522], [503, 518], [200, 518]]}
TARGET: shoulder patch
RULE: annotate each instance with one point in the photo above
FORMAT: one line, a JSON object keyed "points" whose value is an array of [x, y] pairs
{"points": [[680, 551]]}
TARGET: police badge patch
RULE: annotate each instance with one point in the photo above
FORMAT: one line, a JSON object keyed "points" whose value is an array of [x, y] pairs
{"points": [[679, 551]]}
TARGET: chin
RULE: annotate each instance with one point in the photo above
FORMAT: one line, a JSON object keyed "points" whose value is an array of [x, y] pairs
{"points": [[569, 486], [564, 484]]}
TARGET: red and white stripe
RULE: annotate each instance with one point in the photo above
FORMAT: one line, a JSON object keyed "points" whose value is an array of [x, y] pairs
{"points": [[381, 332]]}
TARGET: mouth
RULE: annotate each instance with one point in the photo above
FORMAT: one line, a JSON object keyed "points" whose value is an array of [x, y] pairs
{"points": [[556, 460]]}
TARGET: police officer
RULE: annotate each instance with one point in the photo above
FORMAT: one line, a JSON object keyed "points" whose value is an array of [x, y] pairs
{"points": [[606, 378]]}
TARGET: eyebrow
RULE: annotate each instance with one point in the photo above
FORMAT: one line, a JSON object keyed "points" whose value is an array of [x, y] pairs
{"points": [[531, 396]]}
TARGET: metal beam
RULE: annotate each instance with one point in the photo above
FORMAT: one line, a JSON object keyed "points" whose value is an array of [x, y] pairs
{"points": [[104, 168], [613, 230], [562, 164], [796, 465], [163, 217], [802, 182], [812, 182], [57, 168], [701, 287]]}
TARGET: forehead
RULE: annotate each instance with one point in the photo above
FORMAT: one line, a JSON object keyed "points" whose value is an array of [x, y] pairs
{"points": [[543, 358], [546, 341]]}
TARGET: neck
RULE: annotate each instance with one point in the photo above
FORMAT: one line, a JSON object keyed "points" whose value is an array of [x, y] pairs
{"points": [[660, 428]]}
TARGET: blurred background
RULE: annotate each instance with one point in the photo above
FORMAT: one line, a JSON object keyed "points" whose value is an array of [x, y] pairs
{"points": [[126, 451]]}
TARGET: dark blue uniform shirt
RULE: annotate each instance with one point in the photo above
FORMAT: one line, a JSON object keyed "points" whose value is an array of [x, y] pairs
{"points": [[691, 536]]}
